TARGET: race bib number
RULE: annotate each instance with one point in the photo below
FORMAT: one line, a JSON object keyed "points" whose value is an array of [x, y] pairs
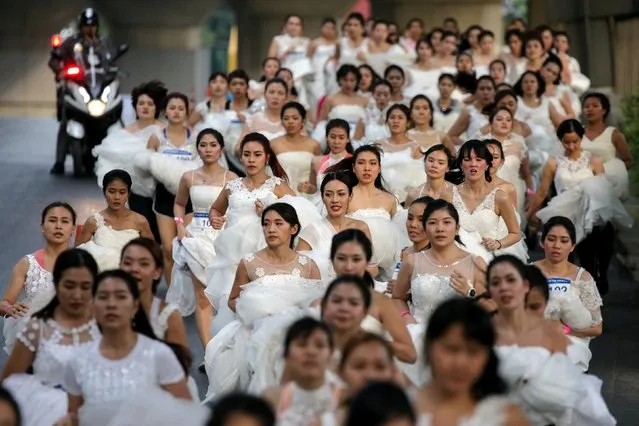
{"points": [[559, 285], [201, 220], [179, 154]]}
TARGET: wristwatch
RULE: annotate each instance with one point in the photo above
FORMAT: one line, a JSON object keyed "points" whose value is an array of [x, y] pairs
{"points": [[471, 293]]}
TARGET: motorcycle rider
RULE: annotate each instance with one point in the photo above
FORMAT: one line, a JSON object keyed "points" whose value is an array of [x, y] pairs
{"points": [[87, 37]]}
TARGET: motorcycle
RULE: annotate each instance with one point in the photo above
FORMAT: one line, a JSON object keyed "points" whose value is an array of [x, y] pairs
{"points": [[89, 101]]}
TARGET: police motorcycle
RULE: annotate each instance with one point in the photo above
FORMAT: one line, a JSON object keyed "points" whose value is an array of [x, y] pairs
{"points": [[89, 99]]}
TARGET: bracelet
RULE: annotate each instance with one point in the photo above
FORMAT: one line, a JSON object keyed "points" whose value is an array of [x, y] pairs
{"points": [[499, 245], [404, 313], [178, 220], [531, 192]]}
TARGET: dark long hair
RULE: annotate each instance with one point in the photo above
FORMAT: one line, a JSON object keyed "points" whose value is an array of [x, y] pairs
{"points": [[348, 164], [439, 204], [358, 237], [477, 326], [73, 258], [378, 404], [140, 322], [273, 163], [288, 213], [156, 253]]}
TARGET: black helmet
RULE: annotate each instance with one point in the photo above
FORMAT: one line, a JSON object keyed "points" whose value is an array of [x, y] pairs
{"points": [[88, 17]]}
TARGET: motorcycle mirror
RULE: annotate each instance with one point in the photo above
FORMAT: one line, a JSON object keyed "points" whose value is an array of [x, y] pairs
{"points": [[121, 51]]}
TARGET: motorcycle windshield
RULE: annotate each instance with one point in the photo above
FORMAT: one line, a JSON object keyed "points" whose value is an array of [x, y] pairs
{"points": [[96, 75]]}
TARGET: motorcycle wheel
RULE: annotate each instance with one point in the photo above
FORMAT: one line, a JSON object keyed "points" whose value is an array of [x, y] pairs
{"points": [[75, 146]]}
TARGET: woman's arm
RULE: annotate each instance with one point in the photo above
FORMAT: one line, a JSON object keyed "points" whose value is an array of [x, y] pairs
{"points": [[621, 146], [526, 175], [507, 212], [241, 278], [555, 117], [283, 189], [154, 143], [219, 207], [547, 176], [246, 129], [326, 108], [401, 289], [22, 355], [195, 118], [459, 127], [87, 231], [8, 306], [302, 245], [272, 49], [390, 317], [597, 165], [565, 102], [176, 331], [447, 141], [181, 200]]}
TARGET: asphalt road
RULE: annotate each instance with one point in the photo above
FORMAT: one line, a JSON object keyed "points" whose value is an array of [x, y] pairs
{"points": [[26, 154]]}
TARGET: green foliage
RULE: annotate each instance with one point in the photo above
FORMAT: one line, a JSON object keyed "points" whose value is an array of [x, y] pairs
{"points": [[629, 126]]}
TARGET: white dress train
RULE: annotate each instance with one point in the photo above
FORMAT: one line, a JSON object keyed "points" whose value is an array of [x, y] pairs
{"points": [[106, 244], [118, 151], [109, 386], [272, 289], [193, 254], [41, 395], [587, 200]]}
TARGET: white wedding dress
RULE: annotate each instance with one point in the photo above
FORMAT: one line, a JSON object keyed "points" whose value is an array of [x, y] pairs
{"points": [[193, 254], [272, 289], [38, 291], [118, 151], [429, 287], [107, 243], [243, 235], [109, 386], [491, 410], [41, 395], [551, 389], [400, 170], [587, 200], [576, 303]]}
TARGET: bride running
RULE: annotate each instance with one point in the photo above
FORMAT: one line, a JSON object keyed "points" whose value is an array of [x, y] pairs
{"points": [[193, 248], [106, 232], [238, 209], [266, 282], [32, 275]]}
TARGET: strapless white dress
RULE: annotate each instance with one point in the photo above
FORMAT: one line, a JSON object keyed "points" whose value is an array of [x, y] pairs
{"points": [[192, 254], [107, 243]]}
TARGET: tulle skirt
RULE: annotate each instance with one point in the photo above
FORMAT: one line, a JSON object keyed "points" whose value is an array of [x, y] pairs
{"points": [[590, 203], [39, 404], [191, 256]]}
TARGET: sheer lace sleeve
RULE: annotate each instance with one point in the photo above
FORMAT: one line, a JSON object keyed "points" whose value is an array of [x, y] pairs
{"points": [[589, 296], [31, 333]]}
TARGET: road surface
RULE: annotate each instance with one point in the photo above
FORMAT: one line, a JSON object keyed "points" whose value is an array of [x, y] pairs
{"points": [[26, 154]]}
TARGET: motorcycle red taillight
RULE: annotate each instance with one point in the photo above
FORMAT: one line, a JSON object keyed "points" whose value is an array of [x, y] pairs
{"points": [[56, 40], [73, 71]]}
